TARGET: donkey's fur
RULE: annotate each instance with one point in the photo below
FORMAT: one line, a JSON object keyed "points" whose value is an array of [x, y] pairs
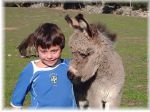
{"points": [[26, 47], [95, 63]]}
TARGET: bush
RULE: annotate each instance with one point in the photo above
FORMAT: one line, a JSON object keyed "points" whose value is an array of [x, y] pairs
{"points": [[143, 6], [73, 5]]}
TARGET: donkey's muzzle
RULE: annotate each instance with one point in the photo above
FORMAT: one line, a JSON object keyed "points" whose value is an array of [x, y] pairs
{"points": [[74, 79]]}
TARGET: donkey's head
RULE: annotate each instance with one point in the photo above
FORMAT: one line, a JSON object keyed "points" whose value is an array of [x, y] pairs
{"points": [[86, 46]]}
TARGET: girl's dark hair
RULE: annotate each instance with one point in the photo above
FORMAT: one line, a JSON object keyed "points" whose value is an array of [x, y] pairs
{"points": [[49, 34]]}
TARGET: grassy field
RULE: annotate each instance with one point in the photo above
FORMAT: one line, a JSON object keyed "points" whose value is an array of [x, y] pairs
{"points": [[131, 45]]}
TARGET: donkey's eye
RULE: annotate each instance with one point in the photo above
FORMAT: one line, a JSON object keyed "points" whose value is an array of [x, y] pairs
{"points": [[73, 52], [83, 55]]}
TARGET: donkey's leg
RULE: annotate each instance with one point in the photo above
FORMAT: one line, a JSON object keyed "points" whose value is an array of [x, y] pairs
{"points": [[31, 51], [113, 103], [23, 53], [83, 104], [95, 102]]}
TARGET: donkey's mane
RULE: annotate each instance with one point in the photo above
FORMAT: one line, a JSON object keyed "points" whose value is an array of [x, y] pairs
{"points": [[102, 29]]}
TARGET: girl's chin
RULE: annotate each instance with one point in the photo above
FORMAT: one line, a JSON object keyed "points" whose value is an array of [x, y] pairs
{"points": [[50, 64]]}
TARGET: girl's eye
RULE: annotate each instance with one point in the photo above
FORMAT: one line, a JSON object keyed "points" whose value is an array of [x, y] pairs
{"points": [[54, 51], [43, 51]]}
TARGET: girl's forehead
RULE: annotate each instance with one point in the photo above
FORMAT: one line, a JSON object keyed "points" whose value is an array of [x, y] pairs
{"points": [[50, 48]]}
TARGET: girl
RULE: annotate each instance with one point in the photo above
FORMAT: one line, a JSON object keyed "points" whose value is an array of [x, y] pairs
{"points": [[46, 78]]}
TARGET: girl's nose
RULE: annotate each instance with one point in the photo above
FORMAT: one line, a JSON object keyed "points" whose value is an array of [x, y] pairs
{"points": [[49, 55]]}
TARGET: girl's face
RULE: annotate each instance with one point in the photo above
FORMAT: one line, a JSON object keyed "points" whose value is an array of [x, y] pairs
{"points": [[50, 56]]}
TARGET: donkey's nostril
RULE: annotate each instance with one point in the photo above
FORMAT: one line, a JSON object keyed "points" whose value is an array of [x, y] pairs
{"points": [[70, 75], [74, 79]]}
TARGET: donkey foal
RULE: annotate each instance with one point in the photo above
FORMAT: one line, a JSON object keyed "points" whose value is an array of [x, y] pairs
{"points": [[95, 64]]}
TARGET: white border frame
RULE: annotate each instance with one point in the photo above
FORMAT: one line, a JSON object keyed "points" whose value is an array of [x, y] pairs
{"points": [[2, 53]]}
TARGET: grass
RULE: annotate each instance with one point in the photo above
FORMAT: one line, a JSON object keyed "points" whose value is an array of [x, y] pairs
{"points": [[131, 45]]}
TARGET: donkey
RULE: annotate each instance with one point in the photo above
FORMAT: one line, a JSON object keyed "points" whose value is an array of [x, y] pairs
{"points": [[95, 66], [26, 47]]}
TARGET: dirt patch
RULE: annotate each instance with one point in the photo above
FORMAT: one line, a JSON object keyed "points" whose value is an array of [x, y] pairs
{"points": [[10, 28]]}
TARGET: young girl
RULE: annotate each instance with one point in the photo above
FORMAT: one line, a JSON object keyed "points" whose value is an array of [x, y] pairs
{"points": [[46, 78]]}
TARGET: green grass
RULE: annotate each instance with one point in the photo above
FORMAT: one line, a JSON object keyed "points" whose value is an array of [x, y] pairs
{"points": [[131, 45]]}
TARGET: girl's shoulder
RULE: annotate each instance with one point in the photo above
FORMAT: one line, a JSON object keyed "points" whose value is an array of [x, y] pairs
{"points": [[65, 61], [35, 67], [29, 66]]}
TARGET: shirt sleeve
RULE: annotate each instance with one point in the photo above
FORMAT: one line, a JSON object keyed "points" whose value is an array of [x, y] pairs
{"points": [[67, 61], [22, 86]]}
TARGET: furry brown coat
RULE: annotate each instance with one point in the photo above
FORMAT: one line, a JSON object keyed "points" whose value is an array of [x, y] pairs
{"points": [[95, 63]]}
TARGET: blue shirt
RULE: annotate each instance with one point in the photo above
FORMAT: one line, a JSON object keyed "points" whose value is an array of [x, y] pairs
{"points": [[49, 87]]}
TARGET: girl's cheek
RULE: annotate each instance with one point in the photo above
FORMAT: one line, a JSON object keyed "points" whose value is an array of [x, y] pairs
{"points": [[41, 55]]}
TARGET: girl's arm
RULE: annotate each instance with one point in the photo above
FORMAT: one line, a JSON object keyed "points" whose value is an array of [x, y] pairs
{"points": [[22, 87]]}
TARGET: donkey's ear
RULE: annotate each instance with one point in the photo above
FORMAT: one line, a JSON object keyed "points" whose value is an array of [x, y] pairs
{"points": [[83, 24], [72, 22]]}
